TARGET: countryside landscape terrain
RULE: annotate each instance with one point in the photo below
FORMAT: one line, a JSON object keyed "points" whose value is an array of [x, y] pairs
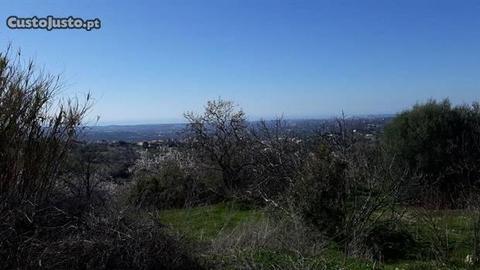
{"points": [[221, 192], [240, 134]]}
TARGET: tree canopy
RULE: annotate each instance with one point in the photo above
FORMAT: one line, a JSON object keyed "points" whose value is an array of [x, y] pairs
{"points": [[440, 143]]}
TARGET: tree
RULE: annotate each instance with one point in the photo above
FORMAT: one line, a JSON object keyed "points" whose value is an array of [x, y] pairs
{"points": [[279, 156], [221, 138], [439, 142]]}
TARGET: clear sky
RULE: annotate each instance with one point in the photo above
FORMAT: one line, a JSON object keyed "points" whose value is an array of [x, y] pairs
{"points": [[153, 60]]}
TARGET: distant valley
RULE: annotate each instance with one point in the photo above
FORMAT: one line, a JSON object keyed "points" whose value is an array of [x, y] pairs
{"points": [[151, 132]]}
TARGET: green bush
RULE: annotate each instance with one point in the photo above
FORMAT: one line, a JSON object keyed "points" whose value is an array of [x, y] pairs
{"points": [[319, 193], [168, 188], [440, 143]]}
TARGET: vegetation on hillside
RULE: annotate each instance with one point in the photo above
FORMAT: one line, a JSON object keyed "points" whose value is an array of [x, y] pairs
{"points": [[49, 218], [234, 194]]}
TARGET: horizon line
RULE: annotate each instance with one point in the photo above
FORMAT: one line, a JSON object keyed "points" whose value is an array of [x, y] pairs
{"points": [[151, 123]]}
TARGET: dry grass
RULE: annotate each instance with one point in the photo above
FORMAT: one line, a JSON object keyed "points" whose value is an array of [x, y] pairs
{"points": [[282, 235]]}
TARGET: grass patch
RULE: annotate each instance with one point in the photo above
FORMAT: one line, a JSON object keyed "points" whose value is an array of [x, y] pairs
{"points": [[208, 222], [452, 225], [205, 223]]}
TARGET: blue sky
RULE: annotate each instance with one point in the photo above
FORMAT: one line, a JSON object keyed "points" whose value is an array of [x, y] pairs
{"points": [[153, 60]]}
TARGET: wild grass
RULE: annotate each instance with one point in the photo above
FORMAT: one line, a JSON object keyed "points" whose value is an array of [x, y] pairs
{"points": [[246, 239], [207, 222]]}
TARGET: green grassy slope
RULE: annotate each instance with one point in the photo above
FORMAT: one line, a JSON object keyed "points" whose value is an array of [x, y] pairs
{"points": [[205, 224]]}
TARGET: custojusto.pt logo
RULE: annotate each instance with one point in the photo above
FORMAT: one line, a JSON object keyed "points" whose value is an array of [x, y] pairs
{"points": [[52, 23]]}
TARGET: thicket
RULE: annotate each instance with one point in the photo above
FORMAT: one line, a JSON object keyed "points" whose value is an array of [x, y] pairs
{"points": [[41, 225], [439, 144]]}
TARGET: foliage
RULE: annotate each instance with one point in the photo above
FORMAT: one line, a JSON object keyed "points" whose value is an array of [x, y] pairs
{"points": [[35, 131], [41, 226], [50, 238], [323, 208], [169, 188], [441, 143], [329, 202], [236, 238], [344, 189], [171, 180]]}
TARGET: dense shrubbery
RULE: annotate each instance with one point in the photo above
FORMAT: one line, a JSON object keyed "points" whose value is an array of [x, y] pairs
{"points": [[319, 193], [35, 131], [44, 226], [172, 180], [339, 184], [49, 238], [440, 143], [170, 187], [339, 187]]}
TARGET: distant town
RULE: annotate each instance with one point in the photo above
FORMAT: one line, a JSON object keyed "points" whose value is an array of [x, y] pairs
{"points": [[152, 135]]}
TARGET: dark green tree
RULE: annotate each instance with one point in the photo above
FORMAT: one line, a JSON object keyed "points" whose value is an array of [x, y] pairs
{"points": [[439, 143]]}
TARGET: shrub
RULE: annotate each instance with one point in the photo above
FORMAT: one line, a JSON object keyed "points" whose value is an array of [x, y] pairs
{"points": [[441, 143], [278, 159], [319, 193], [388, 241], [40, 226], [50, 238], [84, 175], [164, 181], [35, 132], [345, 188], [168, 188]]}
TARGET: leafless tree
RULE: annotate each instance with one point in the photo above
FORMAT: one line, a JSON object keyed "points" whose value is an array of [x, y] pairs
{"points": [[221, 137], [279, 156], [344, 186]]}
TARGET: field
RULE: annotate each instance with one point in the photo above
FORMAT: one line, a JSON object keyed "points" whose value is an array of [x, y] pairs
{"points": [[208, 226]]}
